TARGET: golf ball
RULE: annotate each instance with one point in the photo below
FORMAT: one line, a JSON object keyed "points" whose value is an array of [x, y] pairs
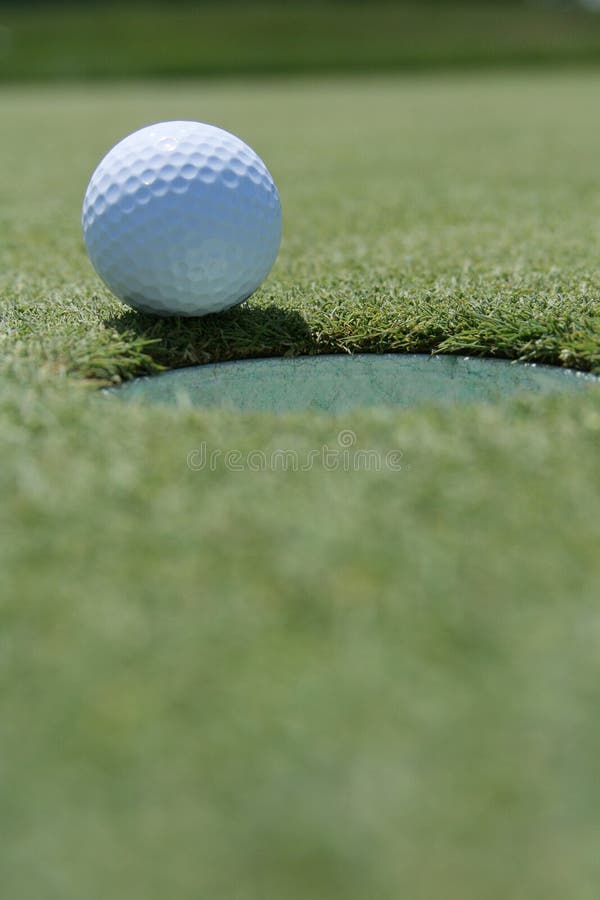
{"points": [[182, 218]]}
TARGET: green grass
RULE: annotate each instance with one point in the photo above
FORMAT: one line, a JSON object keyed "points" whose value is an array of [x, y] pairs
{"points": [[307, 684], [100, 40]]}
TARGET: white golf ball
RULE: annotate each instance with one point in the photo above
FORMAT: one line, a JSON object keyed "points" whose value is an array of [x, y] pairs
{"points": [[182, 218]]}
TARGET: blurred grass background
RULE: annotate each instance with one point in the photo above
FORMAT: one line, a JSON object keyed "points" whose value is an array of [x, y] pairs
{"points": [[49, 40]]}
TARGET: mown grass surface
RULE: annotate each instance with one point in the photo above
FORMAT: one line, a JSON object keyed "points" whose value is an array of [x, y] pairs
{"points": [[326, 683], [98, 40]]}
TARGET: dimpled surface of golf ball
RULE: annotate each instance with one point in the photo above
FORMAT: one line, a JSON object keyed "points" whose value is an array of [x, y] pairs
{"points": [[182, 218]]}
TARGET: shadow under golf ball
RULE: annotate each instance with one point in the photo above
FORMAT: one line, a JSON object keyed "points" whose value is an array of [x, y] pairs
{"points": [[338, 383]]}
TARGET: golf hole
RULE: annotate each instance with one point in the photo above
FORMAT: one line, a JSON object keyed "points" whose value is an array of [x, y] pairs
{"points": [[339, 383]]}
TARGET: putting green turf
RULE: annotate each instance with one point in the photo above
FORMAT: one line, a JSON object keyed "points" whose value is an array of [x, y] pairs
{"points": [[329, 683]]}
